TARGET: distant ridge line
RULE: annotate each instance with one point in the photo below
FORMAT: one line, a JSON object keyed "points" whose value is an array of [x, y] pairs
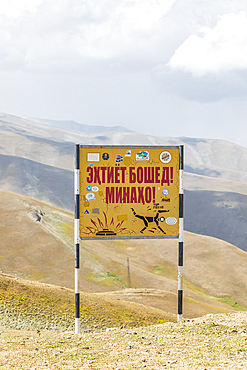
{"points": [[76, 126]]}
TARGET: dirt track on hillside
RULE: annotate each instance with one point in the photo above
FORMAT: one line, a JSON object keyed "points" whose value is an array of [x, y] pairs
{"points": [[210, 342]]}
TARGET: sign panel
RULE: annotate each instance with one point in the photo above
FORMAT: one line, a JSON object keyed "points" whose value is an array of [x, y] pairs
{"points": [[129, 192]]}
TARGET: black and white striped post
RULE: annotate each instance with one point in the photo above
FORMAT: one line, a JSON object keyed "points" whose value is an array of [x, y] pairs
{"points": [[181, 228], [76, 239]]}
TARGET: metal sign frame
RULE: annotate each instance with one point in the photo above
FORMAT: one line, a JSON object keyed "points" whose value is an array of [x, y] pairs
{"points": [[95, 153]]}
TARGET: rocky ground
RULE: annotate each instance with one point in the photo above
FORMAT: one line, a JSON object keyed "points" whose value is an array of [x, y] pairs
{"points": [[209, 342]]}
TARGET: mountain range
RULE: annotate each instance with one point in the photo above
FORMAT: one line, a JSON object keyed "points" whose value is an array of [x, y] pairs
{"points": [[37, 160]]}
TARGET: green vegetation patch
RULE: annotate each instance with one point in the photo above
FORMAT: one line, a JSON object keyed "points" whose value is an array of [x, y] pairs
{"points": [[166, 269], [41, 192], [116, 278], [230, 301], [159, 270]]}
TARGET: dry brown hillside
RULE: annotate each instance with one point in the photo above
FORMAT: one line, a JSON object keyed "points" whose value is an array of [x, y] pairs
{"points": [[36, 243]]}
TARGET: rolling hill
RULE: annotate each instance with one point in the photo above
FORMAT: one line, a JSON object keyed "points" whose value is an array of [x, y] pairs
{"points": [[36, 243], [26, 305]]}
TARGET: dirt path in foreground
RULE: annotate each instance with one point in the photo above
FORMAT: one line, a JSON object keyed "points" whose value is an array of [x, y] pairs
{"points": [[209, 342]]}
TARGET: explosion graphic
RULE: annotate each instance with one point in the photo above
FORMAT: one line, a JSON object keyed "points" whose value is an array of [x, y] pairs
{"points": [[105, 228]]}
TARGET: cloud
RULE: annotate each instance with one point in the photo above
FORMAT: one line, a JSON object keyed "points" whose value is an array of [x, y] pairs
{"points": [[220, 49], [204, 42], [66, 34], [17, 8]]}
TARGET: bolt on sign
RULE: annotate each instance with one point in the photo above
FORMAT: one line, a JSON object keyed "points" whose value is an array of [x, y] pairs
{"points": [[129, 192]]}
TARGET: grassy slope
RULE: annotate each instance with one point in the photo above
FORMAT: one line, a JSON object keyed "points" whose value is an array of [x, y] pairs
{"points": [[43, 251], [31, 305]]}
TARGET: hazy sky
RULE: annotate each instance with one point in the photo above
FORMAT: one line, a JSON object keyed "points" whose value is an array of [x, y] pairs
{"points": [[161, 67]]}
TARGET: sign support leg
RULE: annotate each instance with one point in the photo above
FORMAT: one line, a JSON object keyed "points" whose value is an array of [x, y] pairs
{"points": [[181, 227], [77, 241]]}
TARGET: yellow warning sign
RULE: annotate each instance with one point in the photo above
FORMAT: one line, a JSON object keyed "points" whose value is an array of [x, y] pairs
{"points": [[129, 192]]}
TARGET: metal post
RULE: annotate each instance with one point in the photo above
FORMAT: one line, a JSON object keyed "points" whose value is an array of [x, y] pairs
{"points": [[77, 240], [181, 227]]}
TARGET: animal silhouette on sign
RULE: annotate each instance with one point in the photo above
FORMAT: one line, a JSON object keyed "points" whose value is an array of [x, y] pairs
{"points": [[147, 220]]}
